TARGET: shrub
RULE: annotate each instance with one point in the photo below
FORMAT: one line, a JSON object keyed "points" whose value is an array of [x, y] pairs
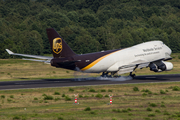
{"points": [[129, 109], [162, 105], [99, 95], [92, 90], [87, 109], [63, 95], [145, 90], [44, 95], [149, 109], [109, 90], [11, 96], [93, 112], [136, 89], [124, 110], [16, 118], [103, 90], [151, 115], [155, 94], [174, 115], [86, 96], [48, 97], [166, 113], [162, 92], [152, 105], [70, 89], [106, 95], [56, 93], [56, 99], [118, 110], [130, 114], [178, 57], [2, 96], [80, 96], [144, 94], [114, 110], [60, 118], [35, 98], [114, 119], [67, 98], [9, 100], [158, 111], [176, 88]]}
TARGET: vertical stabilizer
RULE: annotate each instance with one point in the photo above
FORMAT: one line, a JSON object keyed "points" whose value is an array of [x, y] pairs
{"points": [[58, 46]]}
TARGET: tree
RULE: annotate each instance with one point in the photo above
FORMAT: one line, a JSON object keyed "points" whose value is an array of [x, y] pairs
{"points": [[86, 44], [89, 20], [126, 39]]}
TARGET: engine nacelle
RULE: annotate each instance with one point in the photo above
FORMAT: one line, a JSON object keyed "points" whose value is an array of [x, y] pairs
{"points": [[167, 66], [159, 66], [153, 67]]}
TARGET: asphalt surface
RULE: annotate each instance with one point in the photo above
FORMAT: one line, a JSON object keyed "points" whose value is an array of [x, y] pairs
{"points": [[44, 83]]}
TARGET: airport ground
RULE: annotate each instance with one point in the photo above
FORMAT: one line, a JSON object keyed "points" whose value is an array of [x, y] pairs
{"points": [[140, 101], [17, 69], [157, 101]]}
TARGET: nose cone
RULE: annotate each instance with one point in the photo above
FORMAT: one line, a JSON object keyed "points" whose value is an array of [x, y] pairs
{"points": [[169, 51]]}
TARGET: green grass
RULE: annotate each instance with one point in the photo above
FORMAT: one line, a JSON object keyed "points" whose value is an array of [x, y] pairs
{"points": [[126, 103]]}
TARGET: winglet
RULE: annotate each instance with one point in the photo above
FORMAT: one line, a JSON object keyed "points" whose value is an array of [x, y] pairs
{"points": [[9, 52]]}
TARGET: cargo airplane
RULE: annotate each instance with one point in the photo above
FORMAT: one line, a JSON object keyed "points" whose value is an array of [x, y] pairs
{"points": [[152, 54]]}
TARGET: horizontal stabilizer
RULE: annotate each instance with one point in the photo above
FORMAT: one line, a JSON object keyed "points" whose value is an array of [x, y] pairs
{"points": [[9, 52], [27, 55]]}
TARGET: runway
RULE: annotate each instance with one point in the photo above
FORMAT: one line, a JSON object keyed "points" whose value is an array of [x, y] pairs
{"points": [[44, 83]]}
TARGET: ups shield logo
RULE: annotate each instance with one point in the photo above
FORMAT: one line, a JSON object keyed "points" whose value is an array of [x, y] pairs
{"points": [[57, 45]]}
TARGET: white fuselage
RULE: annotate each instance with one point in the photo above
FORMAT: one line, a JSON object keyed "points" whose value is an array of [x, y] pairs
{"points": [[141, 53]]}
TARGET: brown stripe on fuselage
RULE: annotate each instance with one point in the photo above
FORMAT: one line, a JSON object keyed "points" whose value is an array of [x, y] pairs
{"points": [[87, 59]]}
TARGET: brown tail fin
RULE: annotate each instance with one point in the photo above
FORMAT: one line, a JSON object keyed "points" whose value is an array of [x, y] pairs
{"points": [[59, 47]]}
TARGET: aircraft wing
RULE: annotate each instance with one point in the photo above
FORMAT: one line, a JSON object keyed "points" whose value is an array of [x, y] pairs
{"points": [[132, 67], [46, 59], [137, 64]]}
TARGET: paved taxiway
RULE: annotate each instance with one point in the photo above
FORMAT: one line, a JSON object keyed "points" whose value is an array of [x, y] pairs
{"points": [[71, 82]]}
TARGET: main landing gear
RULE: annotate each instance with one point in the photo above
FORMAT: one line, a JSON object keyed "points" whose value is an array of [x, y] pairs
{"points": [[114, 77], [105, 75], [132, 75]]}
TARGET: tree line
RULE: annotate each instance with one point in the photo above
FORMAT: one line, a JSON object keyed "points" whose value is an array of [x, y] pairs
{"points": [[87, 25]]}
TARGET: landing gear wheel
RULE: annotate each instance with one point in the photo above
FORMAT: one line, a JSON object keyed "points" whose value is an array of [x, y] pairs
{"points": [[105, 74], [132, 75]]}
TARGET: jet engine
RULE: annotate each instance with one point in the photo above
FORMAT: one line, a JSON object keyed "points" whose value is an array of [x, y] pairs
{"points": [[153, 67], [166, 66], [159, 66]]}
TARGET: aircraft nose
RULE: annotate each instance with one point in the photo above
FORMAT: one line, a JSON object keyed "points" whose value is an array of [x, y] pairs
{"points": [[169, 50]]}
